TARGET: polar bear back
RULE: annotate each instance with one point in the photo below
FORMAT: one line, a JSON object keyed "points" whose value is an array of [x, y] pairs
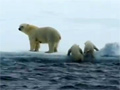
{"points": [[89, 46], [47, 34], [75, 51]]}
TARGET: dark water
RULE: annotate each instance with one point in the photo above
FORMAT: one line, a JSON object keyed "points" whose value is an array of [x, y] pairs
{"points": [[34, 75]]}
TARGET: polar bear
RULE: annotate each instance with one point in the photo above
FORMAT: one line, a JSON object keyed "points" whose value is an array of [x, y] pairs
{"points": [[76, 52], [38, 35], [89, 49]]}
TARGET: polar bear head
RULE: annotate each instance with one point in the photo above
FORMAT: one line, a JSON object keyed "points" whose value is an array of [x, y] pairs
{"points": [[26, 28]]}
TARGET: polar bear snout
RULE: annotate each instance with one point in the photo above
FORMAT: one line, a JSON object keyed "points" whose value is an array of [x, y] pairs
{"points": [[20, 28]]}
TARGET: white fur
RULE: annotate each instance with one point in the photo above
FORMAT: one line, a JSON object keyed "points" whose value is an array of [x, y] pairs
{"points": [[38, 35], [89, 48], [76, 52]]}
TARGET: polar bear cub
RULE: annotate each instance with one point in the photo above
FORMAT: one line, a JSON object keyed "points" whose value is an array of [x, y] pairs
{"points": [[39, 35], [76, 53], [89, 49]]}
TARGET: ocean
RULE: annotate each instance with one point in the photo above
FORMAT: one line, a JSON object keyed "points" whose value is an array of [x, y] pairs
{"points": [[40, 71]]}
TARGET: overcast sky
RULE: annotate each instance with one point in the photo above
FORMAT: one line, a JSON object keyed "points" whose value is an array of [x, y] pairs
{"points": [[76, 20]]}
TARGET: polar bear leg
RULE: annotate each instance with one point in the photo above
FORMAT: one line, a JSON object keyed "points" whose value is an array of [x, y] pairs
{"points": [[32, 45], [56, 46], [37, 46], [51, 47], [92, 55]]}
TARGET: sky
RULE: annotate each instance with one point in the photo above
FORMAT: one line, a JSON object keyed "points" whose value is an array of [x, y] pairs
{"points": [[76, 20]]}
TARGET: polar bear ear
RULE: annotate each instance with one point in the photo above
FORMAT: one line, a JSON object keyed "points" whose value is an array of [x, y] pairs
{"points": [[27, 24]]}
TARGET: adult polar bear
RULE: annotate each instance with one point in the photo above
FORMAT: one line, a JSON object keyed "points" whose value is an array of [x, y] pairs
{"points": [[76, 52], [41, 35], [89, 49]]}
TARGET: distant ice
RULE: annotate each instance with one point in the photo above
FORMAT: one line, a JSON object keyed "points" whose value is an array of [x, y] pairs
{"points": [[109, 50]]}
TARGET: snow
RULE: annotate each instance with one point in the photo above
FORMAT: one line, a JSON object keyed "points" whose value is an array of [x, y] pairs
{"points": [[110, 52]]}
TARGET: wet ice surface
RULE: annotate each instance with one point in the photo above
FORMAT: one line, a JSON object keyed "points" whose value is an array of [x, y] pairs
{"points": [[23, 73]]}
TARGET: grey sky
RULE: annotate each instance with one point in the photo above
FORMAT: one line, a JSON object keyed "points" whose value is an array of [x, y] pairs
{"points": [[76, 20]]}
